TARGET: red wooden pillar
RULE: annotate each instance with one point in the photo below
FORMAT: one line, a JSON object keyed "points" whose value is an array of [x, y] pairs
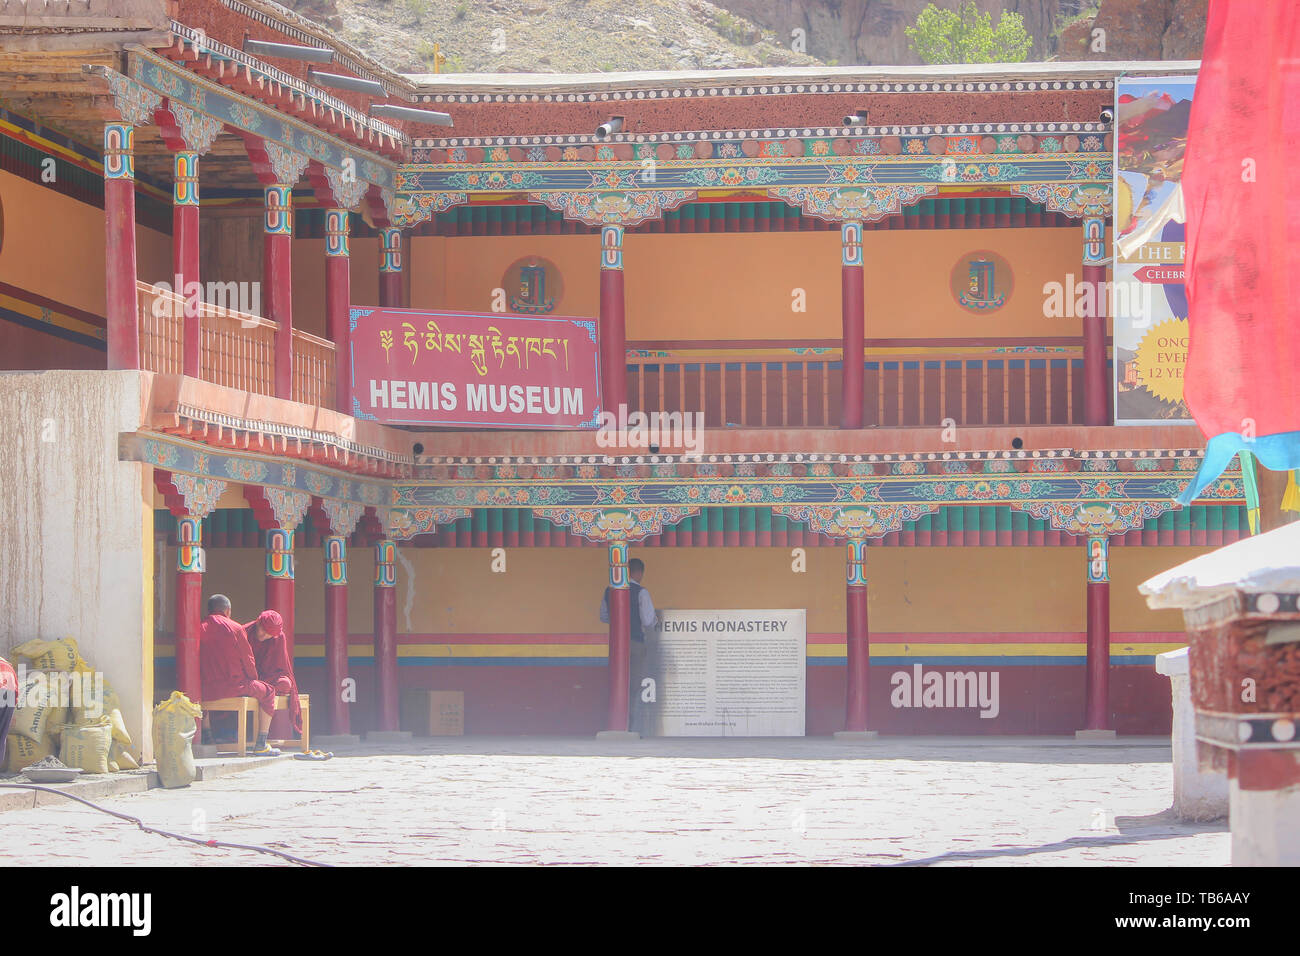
{"points": [[279, 579], [123, 331], [189, 604], [620, 638], [852, 308], [613, 338], [386, 633], [390, 268], [185, 252], [1096, 377], [1097, 679], [338, 292], [856, 636], [277, 277], [336, 631]]}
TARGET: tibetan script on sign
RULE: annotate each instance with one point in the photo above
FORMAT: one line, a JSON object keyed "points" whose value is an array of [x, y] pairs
{"points": [[488, 370]]}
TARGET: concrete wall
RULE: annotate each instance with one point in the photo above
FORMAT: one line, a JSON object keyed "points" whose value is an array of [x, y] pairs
{"points": [[76, 527]]}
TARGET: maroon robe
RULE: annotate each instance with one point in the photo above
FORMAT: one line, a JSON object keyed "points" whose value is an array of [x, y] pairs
{"points": [[275, 668], [226, 664]]}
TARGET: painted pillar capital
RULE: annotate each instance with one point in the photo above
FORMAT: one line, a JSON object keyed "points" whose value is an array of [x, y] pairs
{"points": [[618, 577], [342, 516], [279, 210], [198, 495], [197, 131], [851, 243], [1094, 241], [346, 188], [1098, 559], [611, 247], [185, 178], [190, 558], [390, 249], [336, 560], [119, 151], [287, 164], [385, 563], [336, 233], [279, 553], [856, 566]]}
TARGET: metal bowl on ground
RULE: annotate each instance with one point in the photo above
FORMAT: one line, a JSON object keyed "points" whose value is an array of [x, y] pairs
{"points": [[52, 774]]}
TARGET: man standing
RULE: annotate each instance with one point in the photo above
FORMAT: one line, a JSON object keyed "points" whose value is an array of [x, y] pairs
{"points": [[642, 622], [227, 668]]}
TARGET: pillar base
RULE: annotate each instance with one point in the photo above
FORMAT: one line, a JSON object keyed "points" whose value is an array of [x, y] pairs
{"points": [[1094, 735], [388, 736], [856, 736], [623, 735], [335, 740]]}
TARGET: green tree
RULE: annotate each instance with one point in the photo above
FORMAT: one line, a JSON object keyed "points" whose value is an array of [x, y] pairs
{"points": [[968, 36]]}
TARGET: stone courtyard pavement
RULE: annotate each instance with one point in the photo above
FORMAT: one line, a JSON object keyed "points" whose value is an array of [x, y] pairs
{"points": [[530, 800]]}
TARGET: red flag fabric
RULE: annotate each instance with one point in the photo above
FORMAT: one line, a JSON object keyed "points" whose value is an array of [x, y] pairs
{"points": [[1243, 223]]}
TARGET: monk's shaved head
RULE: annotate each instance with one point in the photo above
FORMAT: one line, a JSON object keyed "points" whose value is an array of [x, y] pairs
{"points": [[219, 604]]}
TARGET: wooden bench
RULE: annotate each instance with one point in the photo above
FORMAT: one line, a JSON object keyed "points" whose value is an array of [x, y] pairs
{"points": [[244, 707]]}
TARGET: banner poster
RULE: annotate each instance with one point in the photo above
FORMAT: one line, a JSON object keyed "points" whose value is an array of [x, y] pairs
{"points": [[729, 673], [474, 369], [1148, 296]]}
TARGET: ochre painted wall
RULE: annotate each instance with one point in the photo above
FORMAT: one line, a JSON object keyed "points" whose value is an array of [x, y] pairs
{"points": [[309, 280], [682, 287], [558, 590], [54, 246]]}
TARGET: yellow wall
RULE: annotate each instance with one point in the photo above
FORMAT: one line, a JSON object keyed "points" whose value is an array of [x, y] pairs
{"points": [[309, 280], [54, 246], [740, 285], [558, 590]]}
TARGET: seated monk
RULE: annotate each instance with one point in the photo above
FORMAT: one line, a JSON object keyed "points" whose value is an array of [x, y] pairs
{"points": [[227, 669], [271, 652]]}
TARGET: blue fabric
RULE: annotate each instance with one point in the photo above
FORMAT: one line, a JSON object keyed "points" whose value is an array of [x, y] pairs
{"points": [[1280, 452]]}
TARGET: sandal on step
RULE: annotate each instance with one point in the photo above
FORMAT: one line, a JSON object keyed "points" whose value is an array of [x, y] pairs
{"points": [[313, 755]]}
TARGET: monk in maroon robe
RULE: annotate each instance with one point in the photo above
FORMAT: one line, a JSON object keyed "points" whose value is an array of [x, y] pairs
{"points": [[227, 667], [271, 652]]}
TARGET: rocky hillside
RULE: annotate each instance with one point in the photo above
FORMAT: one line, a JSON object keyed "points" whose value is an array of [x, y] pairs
{"points": [[588, 36]]}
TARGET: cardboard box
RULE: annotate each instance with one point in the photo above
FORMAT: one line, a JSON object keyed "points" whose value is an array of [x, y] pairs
{"points": [[434, 713]]}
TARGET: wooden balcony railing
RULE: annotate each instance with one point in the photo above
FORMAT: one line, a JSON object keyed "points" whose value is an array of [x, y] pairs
{"points": [[900, 389], [162, 320], [236, 349], [313, 369]]}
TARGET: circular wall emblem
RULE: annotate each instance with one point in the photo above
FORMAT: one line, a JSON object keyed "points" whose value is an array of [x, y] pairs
{"points": [[533, 285], [981, 281]]}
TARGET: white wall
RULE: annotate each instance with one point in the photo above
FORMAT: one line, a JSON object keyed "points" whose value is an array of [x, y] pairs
{"points": [[76, 527]]}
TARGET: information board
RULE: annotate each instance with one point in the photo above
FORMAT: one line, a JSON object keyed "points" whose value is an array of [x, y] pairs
{"points": [[729, 674], [1149, 300]]}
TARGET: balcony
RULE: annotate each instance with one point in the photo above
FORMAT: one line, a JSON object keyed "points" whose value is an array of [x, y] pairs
{"points": [[236, 349], [901, 389]]}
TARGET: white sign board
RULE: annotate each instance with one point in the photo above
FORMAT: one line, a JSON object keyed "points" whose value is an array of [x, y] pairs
{"points": [[729, 674]]}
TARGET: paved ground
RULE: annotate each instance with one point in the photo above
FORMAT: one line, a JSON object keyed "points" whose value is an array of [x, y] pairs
{"points": [[941, 802]]}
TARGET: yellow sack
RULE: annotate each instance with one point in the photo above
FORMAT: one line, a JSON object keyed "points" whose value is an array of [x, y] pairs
{"points": [[49, 655], [86, 745], [38, 717], [22, 752], [175, 722], [110, 704], [124, 759]]}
